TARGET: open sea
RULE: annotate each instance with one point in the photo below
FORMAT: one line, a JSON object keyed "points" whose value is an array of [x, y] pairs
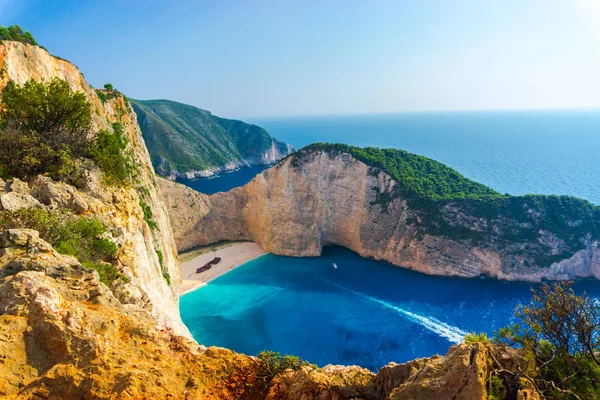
{"points": [[369, 313]]}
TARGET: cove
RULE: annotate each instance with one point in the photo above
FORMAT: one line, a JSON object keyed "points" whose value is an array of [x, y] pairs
{"points": [[364, 312]]}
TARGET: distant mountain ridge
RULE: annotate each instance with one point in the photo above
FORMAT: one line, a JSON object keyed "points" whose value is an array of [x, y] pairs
{"points": [[186, 142]]}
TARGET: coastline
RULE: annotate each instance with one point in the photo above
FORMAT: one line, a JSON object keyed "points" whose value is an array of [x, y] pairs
{"points": [[232, 256]]}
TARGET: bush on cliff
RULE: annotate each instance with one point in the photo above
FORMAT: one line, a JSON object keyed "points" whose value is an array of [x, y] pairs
{"points": [[109, 152], [15, 33], [45, 127], [68, 234], [558, 334]]}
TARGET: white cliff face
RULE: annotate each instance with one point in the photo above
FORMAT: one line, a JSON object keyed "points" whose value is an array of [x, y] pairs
{"points": [[118, 206], [331, 200]]}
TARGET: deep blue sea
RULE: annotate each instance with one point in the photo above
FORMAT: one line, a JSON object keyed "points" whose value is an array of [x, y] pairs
{"points": [[369, 313], [545, 152], [364, 312]]}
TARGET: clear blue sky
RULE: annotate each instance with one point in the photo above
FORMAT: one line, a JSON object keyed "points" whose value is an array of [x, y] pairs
{"points": [[279, 57]]}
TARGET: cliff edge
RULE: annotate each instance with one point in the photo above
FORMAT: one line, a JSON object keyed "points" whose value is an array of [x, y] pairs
{"points": [[427, 218], [145, 253]]}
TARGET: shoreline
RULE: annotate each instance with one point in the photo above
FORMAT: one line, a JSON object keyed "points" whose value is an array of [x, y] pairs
{"points": [[232, 256]]}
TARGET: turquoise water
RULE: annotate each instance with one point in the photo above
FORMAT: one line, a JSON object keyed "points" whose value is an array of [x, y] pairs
{"points": [[370, 313], [512, 152], [364, 312]]}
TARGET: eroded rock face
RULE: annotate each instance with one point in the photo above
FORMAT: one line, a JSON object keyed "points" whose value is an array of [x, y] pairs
{"points": [[461, 375], [119, 208], [295, 210], [63, 335]]}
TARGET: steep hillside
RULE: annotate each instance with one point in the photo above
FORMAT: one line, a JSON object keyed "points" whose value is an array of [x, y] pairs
{"points": [[390, 205], [146, 253], [186, 142]]}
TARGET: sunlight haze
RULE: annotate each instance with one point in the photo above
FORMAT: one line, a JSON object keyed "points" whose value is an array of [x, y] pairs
{"points": [[276, 58]]}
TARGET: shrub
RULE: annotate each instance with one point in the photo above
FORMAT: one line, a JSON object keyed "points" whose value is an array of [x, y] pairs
{"points": [[108, 86], [167, 277], [110, 153], [101, 95], [15, 33], [161, 262], [558, 334], [79, 237], [106, 272], [272, 363], [475, 337], [44, 126], [148, 216]]}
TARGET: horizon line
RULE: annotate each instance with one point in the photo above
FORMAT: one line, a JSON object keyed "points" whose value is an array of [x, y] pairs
{"points": [[441, 111]]}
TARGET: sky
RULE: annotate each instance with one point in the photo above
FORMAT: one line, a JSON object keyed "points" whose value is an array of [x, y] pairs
{"points": [[254, 58]]}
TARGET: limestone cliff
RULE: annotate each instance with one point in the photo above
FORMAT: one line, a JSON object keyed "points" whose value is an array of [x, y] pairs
{"points": [[119, 208], [325, 197]]}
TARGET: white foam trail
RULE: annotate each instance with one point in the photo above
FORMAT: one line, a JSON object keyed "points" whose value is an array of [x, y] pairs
{"points": [[449, 332]]}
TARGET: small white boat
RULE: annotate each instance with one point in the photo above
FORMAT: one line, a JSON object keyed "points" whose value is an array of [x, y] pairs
{"points": [[334, 265]]}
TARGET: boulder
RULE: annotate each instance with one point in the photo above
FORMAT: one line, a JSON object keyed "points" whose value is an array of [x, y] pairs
{"points": [[56, 195], [14, 201], [19, 186]]}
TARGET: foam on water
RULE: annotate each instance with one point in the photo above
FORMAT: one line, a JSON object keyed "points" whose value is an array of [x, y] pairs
{"points": [[362, 313], [449, 332]]}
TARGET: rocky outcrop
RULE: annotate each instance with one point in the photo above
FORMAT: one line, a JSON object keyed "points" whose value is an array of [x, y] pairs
{"points": [[333, 199], [462, 374], [63, 335], [119, 208]]}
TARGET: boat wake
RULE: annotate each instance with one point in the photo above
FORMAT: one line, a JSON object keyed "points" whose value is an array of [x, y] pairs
{"points": [[448, 332]]}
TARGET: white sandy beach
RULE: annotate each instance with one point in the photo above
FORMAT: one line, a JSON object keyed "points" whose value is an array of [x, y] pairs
{"points": [[232, 255]]}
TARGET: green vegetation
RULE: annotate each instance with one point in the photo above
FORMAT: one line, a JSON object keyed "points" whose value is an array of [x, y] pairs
{"points": [[167, 277], [101, 95], [110, 153], [430, 187], [183, 138], [495, 387], [475, 337], [161, 261], [418, 176], [558, 335], [45, 127], [108, 93], [272, 363], [148, 216], [16, 34], [68, 234]]}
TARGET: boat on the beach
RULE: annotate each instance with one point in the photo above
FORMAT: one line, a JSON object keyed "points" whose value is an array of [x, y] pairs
{"points": [[204, 268]]}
